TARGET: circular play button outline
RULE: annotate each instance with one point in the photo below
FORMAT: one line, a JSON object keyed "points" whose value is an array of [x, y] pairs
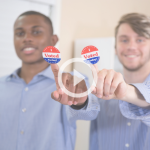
{"points": [[60, 77]]}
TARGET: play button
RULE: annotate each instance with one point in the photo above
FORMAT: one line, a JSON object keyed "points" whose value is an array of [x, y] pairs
{"points": [[78, 77]]}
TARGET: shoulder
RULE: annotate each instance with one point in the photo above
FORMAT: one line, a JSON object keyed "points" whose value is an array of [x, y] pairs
{"points": [[3, 79]]}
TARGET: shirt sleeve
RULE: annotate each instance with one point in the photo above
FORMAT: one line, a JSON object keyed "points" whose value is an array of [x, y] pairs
{"points": [[88, 112], [135, 112]]}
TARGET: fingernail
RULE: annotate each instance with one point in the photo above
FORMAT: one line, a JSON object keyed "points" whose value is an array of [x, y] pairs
{"points": [[99, 95], [70, 103]]}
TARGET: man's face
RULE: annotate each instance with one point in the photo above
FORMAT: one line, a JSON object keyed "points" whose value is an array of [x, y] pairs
{"points": [[31, 35], [132, 50]]}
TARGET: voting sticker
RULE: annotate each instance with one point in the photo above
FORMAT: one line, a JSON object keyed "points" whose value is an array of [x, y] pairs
{"points": [[90, 55], [51, 55]]}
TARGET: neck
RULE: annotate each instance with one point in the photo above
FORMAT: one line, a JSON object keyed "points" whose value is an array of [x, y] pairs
{"points": [[137, 76], [28, 71]]}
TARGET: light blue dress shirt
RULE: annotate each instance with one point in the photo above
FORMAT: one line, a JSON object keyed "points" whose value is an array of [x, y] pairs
{"points": [[30, 119], [119, 125]]}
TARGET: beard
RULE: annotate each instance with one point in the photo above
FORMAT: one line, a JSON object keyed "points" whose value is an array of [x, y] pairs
{"points": [[133, 69], [136, 68]]}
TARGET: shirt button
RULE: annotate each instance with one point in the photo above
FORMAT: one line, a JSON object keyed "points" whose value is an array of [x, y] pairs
{"points": [[22, 132], [127, 145], [26, 89], [129, 124], [24, 110], [97, 107]]}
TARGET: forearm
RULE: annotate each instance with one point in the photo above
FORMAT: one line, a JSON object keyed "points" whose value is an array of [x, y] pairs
{"points": [[133, 96]]}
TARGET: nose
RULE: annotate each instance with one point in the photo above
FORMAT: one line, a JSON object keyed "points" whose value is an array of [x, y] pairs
{"points": [[132, 45], [28, 38]]}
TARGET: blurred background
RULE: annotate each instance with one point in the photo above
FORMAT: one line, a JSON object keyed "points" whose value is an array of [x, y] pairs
{"points": [[78, 23]]}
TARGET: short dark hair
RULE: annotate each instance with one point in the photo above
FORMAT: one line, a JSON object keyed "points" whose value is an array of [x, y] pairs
{"points": [[47, 19]]}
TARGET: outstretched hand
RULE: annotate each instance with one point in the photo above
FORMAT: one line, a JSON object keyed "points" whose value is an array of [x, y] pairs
{"points": [[68, 82], [110, 84]]}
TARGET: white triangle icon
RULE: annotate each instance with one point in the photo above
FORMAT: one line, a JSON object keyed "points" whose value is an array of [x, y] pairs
{"points": [[78, 77]]}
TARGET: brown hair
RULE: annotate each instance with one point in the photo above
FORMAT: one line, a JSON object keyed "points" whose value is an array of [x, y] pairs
{"points": [[140, 24]]}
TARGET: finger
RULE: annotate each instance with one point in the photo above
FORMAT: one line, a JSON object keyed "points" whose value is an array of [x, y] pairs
{"points": [[93, 89], [95, 70], [107, 83], [77, 91], [96, 67], [64, 100], [80, 88], [121, 90], [100, 83], [121, 87], [71, 87], [55, 96], [55, 69], [65, 77], [114, 84]]}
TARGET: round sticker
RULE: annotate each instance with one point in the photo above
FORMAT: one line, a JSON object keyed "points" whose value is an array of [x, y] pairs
{"points": [[90, 55], [51, 55]]}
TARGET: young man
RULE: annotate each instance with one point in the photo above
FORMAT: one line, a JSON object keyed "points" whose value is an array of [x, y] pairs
{"points": [[124, 118], [29, 118]]}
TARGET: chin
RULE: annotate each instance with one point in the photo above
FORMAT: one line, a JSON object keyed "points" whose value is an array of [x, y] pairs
{"points": [[136, 68], [30, 62]]}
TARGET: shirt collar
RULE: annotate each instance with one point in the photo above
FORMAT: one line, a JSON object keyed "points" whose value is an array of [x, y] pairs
{"points": [[13, 75], [47, 73]]}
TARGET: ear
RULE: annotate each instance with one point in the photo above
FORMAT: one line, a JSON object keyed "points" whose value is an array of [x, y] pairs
{"points": [[54, 40], [115, 48]]}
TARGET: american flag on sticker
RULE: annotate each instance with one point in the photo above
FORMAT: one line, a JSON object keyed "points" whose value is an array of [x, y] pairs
{"points": [[90, 55], [51, 55]]}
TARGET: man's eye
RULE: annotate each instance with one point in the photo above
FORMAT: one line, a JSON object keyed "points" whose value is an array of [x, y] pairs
{"points": [[36, 32], [20, 33], [124, 41], [139, 40]]}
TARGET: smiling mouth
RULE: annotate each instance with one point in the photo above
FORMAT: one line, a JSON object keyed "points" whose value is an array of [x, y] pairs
{"points": [[29, 50], [131, 56]]}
